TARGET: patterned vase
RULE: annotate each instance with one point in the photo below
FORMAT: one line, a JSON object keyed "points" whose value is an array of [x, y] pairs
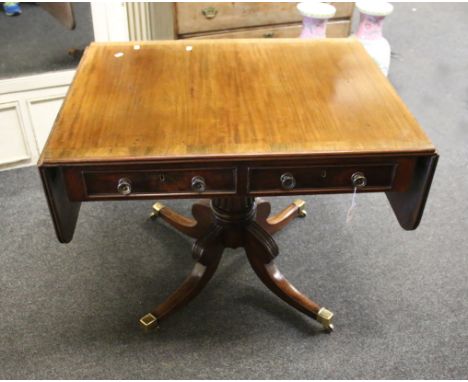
{"points": [[369, 32], [315, 15]]}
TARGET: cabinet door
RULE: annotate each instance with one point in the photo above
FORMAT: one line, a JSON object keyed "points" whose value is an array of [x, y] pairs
{"points": [[13, 142], [28, 108]]}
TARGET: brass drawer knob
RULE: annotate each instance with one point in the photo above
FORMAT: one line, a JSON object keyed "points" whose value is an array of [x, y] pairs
{"points": [[287, 181], [124, 187], [358, 179], [198, 184], [209, 12]]}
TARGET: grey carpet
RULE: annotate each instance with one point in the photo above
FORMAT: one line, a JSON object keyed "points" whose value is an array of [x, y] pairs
{"points": [[400, 298], [35, 42]]}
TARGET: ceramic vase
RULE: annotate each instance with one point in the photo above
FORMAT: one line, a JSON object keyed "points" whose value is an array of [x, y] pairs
{"points": [[315, 16], [370, 34]]}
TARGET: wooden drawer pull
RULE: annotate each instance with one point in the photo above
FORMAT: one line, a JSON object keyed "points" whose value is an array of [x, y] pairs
{"points": [[287, 181], [124, 186], [198, 184], [359, 180]]}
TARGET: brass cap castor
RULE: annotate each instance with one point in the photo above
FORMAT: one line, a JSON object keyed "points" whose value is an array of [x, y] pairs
{"points": [[157, 207], [324, 316], [149, 321], [302, 213]]}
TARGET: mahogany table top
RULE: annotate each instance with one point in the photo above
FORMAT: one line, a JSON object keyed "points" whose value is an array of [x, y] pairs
{"points": [[230, 99], [231, 121]]}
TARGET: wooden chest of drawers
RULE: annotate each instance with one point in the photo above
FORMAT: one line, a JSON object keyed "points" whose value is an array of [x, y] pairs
{"points": [[240, 20]]}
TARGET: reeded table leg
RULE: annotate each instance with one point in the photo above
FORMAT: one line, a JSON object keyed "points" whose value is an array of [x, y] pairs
{"points": [[263, 210], [195, 228], [235, 222], [261, 249], [208, 251], [277, 222]]}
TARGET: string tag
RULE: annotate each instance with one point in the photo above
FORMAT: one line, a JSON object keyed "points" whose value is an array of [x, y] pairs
{"points": [[349, 215]]}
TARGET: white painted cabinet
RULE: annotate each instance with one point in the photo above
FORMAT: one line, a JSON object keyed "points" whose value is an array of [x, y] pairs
{"points": [[14, 146], [28, 108], [43, 112]]}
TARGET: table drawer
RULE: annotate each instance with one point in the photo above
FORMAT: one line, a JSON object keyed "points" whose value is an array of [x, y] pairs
{"points": [[334, 29], [130, 183], [202, 17], [323, 178]]}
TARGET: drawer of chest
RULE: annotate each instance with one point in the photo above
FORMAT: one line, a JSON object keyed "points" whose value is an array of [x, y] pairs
{"points": [[335, 29], [203, 17], [321, 178], [133, 183]]}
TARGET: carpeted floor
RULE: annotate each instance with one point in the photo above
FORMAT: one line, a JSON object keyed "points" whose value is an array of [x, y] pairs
{"points": [[400, 298], [35, 42]]}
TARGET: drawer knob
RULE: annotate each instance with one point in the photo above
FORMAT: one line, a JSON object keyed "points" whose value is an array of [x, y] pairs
{"points": [[124, 187], [358, 179], [269, 35], [287, 181], [198, 184], [210, 12]]}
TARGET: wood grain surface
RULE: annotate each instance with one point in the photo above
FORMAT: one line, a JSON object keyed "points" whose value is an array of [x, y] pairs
{"points": [[340, 28], [191, 19], [217, 99]]}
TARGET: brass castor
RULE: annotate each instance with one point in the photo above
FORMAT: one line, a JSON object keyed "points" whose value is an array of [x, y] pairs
{"points": [[157, 207], [302, 213], [324, 316], [149, 321]]}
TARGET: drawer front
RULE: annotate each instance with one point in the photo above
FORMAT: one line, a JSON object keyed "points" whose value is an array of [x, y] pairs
{"points": [[334, 29], [203, 17], [326, 178], [133, 183]]}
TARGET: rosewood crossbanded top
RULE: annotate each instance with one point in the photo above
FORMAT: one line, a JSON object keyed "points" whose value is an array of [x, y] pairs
{"points": [[211, 100]]}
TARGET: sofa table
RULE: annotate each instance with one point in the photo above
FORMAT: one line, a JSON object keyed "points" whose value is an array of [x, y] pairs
{"points": [[230, 121]]}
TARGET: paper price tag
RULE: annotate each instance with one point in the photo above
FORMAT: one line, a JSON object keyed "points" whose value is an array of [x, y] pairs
{"points": [[349, 215]]}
